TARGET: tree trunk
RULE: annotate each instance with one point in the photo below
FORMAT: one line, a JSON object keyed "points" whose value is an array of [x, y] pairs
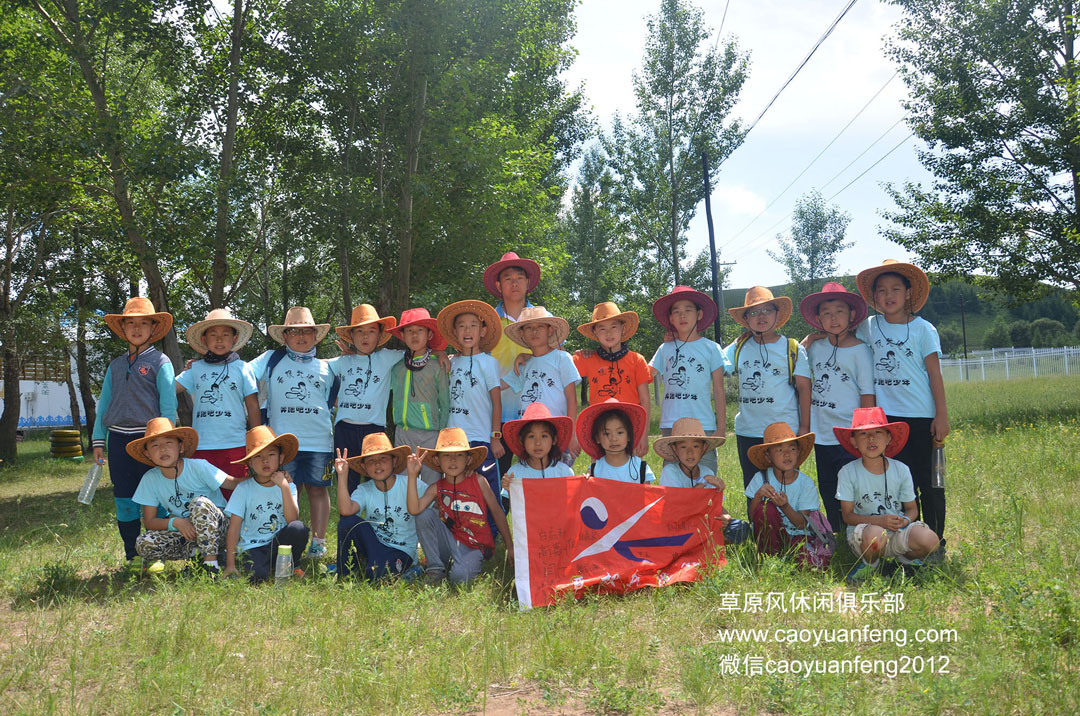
{"points": [[405, 234], [9, 420], [85, 390], [74, 400]]}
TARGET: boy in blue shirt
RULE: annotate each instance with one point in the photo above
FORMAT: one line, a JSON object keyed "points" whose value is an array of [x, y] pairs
{"points": [[262, 511], [300, 389], [138, 386]]}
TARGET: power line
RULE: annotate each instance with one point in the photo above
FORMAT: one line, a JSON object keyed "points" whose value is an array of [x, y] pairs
{"points": [[897, 146], [863, 152]]}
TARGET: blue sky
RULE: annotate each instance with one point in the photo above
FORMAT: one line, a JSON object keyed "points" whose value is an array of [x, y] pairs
{"points": [[845, 72]]}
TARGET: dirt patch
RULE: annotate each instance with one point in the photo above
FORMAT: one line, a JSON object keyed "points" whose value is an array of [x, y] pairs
{"points": [[530, 701]]}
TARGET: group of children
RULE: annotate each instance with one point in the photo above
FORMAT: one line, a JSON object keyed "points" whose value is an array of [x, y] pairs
{"points": [[858, 388]]}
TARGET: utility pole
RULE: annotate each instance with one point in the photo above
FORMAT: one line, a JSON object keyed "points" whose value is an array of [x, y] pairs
{"points": [[963, 330], [718, 295]]}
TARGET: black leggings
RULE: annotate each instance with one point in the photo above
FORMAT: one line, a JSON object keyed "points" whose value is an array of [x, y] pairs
{"points": [[918, 455]]}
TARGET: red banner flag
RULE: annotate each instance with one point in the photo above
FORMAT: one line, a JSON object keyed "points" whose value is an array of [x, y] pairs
{"points": [[584, 533]]}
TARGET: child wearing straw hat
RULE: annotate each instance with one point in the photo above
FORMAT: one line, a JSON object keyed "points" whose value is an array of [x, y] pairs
{"points": [[375, 526], [549, 376], [138, 386], [455, 536], [538, 439], [781, 496], [189, 490], [691, 365], [262, 511], [877, 496], [772, 371], [607, 432], [223, 390], [843, 376], [613, 370], [301, 393]]}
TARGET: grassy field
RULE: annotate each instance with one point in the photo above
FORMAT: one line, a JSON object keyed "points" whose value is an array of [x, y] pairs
{"points": [[81, 637]]}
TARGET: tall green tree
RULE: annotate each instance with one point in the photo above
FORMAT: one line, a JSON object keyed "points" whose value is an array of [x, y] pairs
{"points": [[994, 96], [684, 92], [809, 254]]}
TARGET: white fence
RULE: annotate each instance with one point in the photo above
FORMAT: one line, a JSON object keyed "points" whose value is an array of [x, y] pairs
{"points": [[1008, 363]]}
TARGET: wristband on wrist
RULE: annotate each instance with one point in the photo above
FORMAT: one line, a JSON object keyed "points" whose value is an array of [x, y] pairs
{"points": [[171, 528]]}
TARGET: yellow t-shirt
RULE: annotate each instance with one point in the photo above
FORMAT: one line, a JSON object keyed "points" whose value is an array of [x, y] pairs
{"points": [[505, 353]]}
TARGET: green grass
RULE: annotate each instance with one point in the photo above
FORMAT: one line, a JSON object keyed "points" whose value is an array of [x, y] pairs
{"points": [[81, 637]]}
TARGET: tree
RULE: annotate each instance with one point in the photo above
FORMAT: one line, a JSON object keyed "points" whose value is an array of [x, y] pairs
{"points": [[951, 340], [1048, 333], [998, 336], [684, 94], [994, 95], [1020, 333], [817, 237]]}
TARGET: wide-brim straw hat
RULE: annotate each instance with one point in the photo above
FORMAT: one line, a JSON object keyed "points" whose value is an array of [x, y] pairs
{"points": [[298, 317], [163, 428], [379, 444], [538, 314], [453, 440], [608, 311], [920, 284], [218, 317], [661, 308], [488, 316], [833, 291], [778, 434], [588, 417], [684, 429], [365, 315], [537, 412], [261, 438], [757, 296], [140, 307], [420, 317], [511, 260], [870, 419]]}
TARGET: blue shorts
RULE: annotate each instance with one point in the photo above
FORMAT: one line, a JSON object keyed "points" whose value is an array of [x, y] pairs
{"points": [[311, 468]]}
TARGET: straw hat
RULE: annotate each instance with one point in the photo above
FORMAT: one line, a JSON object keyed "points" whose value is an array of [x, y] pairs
{"points": [[920, 285], [778, 434], [869, 419], [140, 307], [511, 260], [756, 296], [538, 314], [608, 311], [365, 315], [298, 317], [661, 308], [453, 440], [832, 291], [684, 429], [420, 317], [564, 428], [378, 444], [163, 428], [218, 317], [261, 437], [589, 416], [487, 315]]}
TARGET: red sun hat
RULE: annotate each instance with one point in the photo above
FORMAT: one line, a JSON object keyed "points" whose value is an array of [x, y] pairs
{"points": [[420, 317], [589, 416], [661, 308], [511, 260], [564, 428], [833, 291], [870, 419]]}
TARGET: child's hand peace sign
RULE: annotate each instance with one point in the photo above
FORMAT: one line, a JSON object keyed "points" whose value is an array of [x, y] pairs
{"points": [[415, 462], [341, 463]]}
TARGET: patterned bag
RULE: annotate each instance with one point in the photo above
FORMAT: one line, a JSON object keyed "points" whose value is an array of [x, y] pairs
{"points": [[820, 542]]}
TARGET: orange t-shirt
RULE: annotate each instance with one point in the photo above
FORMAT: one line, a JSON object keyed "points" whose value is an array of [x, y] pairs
{"points": [[619, 379]]}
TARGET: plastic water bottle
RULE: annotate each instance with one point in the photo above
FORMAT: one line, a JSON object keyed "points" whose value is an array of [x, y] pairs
{"points": [[937, 480], [89, 485], [283, 567]]}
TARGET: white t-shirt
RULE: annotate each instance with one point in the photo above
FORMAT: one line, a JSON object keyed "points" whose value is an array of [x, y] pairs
{"points": [[217, 391], [365, 385], [672, 476], [873, 494], [840, 381], [544, 379], [687, 369], [198, 478], [297, 403], [765, 395], [901, 382], [388, 514], [629, 472], [802, 495], [471, 381], [261, 508], [522, 470]]}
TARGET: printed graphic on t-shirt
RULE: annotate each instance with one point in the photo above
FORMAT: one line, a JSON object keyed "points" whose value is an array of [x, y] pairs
{"points": [[886, 505], [459, 379], [534, 381], [356, 382], [384, 524], [829, 376], [755, 369], [265, 516], [607, 381], [678, 369], [302, 384]]}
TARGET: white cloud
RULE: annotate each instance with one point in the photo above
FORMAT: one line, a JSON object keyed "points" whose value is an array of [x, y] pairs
{"points": [[737, 200]]}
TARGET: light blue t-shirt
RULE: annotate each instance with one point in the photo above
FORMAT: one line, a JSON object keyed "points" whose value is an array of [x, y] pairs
{"points": [[840, 381], [388, 514], [365, 385], [544, 379], [872, 494], [901, 383], [521, 469], [630, 472], [297, 400], [261, 508], [673, 476], [218, 391], [471, 381], [801, 494], [765, 395], [198, 478], [687, 370]]}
